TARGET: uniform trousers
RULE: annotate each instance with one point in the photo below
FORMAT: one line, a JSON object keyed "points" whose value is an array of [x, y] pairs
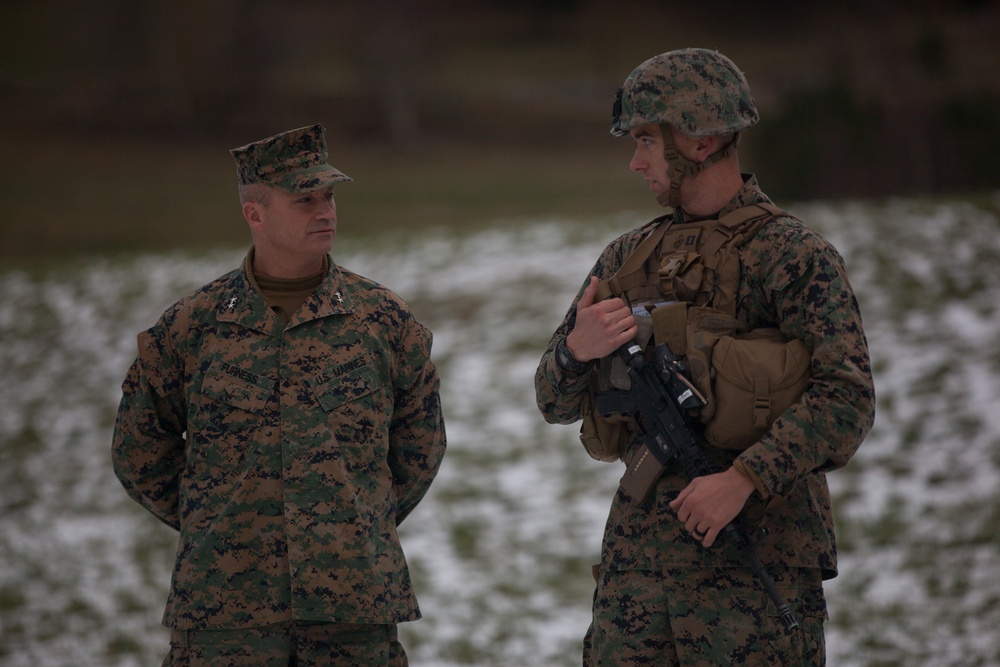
{"points": [[289, 644], [704, 617]]}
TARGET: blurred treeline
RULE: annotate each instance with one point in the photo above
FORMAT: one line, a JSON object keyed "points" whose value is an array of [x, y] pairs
{"points": [[862, 98], [858, 99]]}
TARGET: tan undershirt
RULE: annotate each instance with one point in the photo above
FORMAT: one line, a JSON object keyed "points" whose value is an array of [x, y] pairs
{"points": [[286, 295]]}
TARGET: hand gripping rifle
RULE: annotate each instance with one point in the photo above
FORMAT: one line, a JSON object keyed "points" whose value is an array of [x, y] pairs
{"points": [[658, 400]]}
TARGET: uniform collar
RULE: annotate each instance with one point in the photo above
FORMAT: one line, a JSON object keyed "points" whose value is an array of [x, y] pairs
{"points": [[243, 303], [332, 297], [748, 195]]}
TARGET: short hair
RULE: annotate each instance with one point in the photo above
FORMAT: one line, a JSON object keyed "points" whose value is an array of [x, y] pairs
{"points": [[254, 192]]}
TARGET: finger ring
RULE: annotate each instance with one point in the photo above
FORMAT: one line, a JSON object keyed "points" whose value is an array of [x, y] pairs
{"points": [[700, 533]]}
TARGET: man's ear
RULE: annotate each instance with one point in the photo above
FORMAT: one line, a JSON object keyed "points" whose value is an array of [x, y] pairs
{"points": [[704, 147], [251, 212]]}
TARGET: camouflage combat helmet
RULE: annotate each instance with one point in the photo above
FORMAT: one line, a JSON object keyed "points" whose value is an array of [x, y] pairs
{"points": [[697, 91], [294, 161]]}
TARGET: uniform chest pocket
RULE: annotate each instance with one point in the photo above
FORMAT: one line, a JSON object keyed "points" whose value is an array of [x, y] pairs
{"points": [[237, 393], [227, 418], [358, 413], [343, 389]]}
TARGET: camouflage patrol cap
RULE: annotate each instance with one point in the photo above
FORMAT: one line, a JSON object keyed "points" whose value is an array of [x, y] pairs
{"points": [[697, 91], [295, 161]]}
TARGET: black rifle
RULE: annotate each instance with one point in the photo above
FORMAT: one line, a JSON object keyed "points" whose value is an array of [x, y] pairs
{"points": [[658, 400]]}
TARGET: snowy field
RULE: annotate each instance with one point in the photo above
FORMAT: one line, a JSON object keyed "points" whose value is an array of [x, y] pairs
{"points": [[502, 546]]}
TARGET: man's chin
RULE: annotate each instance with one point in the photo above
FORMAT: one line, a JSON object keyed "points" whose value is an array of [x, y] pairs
{"points": [[324, 239]]}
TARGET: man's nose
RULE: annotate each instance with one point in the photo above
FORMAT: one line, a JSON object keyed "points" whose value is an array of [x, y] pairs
{"points": [[637, 163], [328, 209]]}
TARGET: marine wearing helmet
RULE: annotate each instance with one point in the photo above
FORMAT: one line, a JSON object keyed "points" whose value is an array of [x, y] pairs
{"points": [[698, 92]]}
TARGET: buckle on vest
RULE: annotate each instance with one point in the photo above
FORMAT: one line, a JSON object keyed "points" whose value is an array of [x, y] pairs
{"points": [[673, 264]]}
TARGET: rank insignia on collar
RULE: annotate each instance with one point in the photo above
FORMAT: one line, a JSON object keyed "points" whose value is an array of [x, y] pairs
{"points": [[232, 303]]}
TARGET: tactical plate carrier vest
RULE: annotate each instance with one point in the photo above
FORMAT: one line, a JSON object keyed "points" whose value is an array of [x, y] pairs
{"points": [[682, 283]]}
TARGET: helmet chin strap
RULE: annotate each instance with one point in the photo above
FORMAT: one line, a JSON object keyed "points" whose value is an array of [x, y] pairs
{"points": [[681, 167]]}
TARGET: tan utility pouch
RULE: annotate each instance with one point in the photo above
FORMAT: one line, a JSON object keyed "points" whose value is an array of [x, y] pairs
{"points": [[603, 438], [758, 376], [705, 328], [680, 276]]}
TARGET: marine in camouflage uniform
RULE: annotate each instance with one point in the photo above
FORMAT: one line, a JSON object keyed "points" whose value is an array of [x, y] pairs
{"points": [[284, 418], [662, 597]]}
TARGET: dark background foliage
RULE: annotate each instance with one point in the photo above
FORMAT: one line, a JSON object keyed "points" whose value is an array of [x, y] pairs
{"points": [[504, 103]]}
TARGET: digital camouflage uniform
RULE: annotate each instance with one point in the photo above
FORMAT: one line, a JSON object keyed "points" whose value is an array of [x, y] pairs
{"points": [[663, 599], [285, 455]]}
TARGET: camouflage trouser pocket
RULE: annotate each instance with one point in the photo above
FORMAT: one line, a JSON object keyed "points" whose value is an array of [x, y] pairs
{"points": [[803, 600], [267, 645], [280, 644], [673, 615]]}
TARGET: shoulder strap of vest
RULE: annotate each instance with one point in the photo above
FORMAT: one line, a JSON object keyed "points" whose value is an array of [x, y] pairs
{"points": [[739, 225], [632, 272]]}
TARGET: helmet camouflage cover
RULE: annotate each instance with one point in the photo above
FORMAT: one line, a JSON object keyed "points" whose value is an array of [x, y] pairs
{"points": [[697, 91]]}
